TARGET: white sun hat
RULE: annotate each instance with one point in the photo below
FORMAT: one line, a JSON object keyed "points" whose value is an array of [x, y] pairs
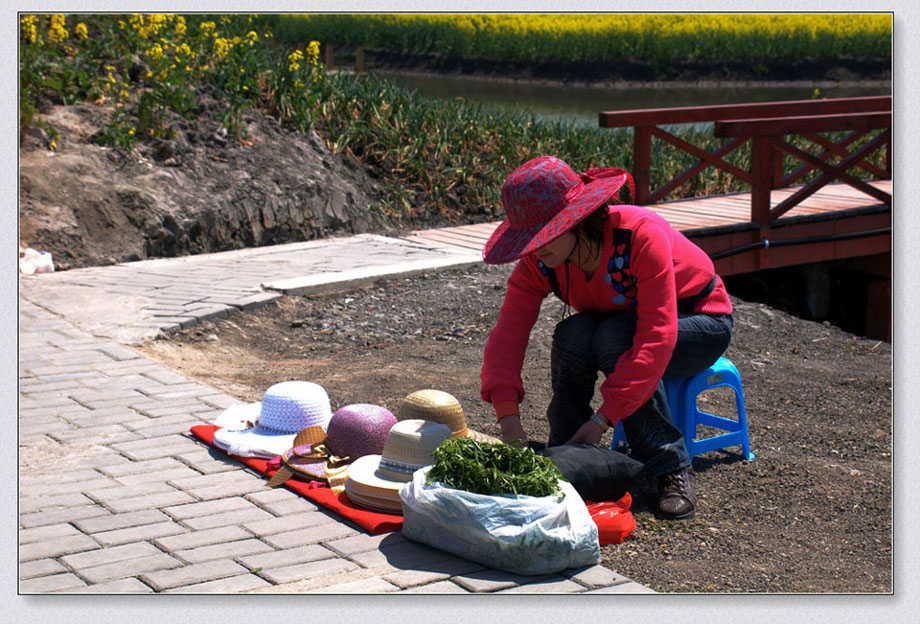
{"points": [[286, 409], [374, 481]]}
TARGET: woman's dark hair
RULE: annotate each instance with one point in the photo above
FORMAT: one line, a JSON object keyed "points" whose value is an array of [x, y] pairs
{"points": [[591, 228]]}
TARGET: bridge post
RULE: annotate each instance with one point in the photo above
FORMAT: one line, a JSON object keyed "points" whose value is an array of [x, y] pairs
{"points": [[642, 158]]}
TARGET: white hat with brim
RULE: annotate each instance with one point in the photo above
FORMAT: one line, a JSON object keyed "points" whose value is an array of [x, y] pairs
{"points": [[286, 409], [408, 447]]}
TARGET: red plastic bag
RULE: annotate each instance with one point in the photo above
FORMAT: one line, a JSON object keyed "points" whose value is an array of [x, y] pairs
{"points": [[614, 520]]}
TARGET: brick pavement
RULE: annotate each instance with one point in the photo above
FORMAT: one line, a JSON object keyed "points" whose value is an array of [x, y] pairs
{"points": [[115, 495]]}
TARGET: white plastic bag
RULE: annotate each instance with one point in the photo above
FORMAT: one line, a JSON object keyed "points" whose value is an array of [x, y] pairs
{"points": [[522, 534]]}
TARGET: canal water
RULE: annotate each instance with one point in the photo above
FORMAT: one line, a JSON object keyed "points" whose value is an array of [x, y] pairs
{"points": [[581, 104]]}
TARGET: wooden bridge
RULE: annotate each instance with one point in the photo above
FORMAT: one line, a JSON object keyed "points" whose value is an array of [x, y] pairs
{"points": [[780, 221]]}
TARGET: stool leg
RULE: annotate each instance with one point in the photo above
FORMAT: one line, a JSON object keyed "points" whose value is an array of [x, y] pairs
{"points": [[742, 422]]}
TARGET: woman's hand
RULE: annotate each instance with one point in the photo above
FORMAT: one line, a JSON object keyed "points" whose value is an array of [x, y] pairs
{"points": [[588, 433], [512, 430]]}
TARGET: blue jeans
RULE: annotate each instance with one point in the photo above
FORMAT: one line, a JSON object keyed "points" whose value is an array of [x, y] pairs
{"points": [[588, 342]]}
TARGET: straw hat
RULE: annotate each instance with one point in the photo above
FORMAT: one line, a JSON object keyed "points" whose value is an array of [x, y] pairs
{"points": [[286, 409], [438, 406], [374, 481], [543, 199]]}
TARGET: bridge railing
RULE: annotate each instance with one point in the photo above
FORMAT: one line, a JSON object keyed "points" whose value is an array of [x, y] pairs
{"points": [[766, 125]]}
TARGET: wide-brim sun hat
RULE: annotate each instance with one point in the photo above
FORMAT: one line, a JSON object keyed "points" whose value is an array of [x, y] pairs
{"points": [[286, 409], [543, 199], [378, 478], [442, 407]]}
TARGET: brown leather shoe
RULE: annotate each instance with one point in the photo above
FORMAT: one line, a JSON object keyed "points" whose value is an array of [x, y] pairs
{"points": [[677, 494]]}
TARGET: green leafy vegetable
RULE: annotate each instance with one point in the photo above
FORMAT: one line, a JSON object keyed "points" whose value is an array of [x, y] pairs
{"points": [[465, 464]]}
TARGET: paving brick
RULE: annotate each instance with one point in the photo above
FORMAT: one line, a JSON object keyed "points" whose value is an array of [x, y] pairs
{"points": [[224, 519], [100, 440], [209, 461], [302, 571], [134, 381], [131, 567], [154, 448], [488, 581], [121, 586], [219, 401], [161, 476], [373, 585], [226, 478], [208, 508], [194, 539], [276, 495], [52, 531], [55, 547], [107, 556], [230, 585], [47, 584], [114, 522], [38, 386], [141, 467], [185, 408], [629, 587], [553, 585], [111, 416], [362, 542], [441, 587], [231, 550], [402, 554], [227, 489], [100, 432], [64, 476], [138, 533], [192, 574], [52, 489], [255, 301], [271, 525], [412, 578], [60, 514], [155, 501], [594, 577], [310, 535], [284, 558], [126, 367], [39, 567], [117, 491]]}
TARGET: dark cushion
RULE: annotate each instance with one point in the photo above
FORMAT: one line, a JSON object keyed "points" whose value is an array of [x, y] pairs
{"points": [[597, 473]]}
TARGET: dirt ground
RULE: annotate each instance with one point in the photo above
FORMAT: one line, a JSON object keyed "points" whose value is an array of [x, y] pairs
{"points": [[811, 513]]}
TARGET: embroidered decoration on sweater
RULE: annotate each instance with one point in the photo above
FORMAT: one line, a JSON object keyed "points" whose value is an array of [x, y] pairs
{"points": [[619, 275], [550, 275]]}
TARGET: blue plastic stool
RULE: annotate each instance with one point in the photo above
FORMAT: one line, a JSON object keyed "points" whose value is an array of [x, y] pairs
{"points": [[686, 416]]}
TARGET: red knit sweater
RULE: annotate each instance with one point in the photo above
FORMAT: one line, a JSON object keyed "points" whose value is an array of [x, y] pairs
{"points": [[646, 266]]}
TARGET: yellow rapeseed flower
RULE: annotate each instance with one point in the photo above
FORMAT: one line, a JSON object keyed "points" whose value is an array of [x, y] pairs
{"points": [[57, 32], [181, 28], [295, 58], [253, 37], [80, 31], [155, 53], [221, 47], [313, 53], [29, 28]]}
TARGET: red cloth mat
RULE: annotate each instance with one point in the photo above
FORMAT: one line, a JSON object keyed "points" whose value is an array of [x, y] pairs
{"points": [[372, 521], [613, 519]]}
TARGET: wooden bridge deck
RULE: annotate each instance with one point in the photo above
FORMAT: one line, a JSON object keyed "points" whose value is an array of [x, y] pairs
{"points": [[722, 222]]}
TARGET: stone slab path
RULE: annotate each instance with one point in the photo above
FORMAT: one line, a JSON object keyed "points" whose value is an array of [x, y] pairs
{"points": [[116, 496]]}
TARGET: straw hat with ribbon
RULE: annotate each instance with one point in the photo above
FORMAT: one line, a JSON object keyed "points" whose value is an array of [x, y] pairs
{"points": [[374, 481], [286, 408], [543, 199], [353, 431], [439, 406]]}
